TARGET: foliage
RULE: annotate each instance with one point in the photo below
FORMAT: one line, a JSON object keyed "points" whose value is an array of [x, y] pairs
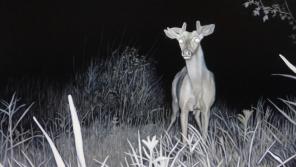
{"points": [[265, 141], [267, 10]]}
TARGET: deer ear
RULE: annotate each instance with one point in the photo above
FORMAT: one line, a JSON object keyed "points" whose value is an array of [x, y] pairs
{"points": [[169, 33], [208, 29]]}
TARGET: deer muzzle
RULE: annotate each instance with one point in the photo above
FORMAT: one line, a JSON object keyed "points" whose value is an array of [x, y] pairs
{"points": [[186, 53]]}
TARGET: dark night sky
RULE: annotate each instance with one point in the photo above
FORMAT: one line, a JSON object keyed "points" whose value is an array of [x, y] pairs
{"points": [[45, 37]]}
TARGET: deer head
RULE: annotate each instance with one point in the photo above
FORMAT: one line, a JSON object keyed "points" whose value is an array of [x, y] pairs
{"points": [[189, 41]]}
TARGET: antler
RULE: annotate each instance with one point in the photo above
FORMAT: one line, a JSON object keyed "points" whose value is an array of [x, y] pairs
{"points": [[198, 27], [184, 27]]}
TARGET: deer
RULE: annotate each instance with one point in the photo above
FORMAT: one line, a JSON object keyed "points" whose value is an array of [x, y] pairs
{"points": [[193, 87]]}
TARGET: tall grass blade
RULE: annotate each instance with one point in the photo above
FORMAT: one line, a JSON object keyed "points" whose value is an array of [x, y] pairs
{"points": [[104, 163], [291, 66], [22, 116], [57, 156], [287, 160], [285, 75], [28, 159], [251, 145], [77, 133], [283, 113]]}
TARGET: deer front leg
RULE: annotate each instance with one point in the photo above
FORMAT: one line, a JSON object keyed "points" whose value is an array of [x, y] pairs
{"points": [[205, 122], [175, 109], [184, 124]]}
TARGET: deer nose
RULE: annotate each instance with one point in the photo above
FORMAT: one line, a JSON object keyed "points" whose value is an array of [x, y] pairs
{"points": [[187, 52]]}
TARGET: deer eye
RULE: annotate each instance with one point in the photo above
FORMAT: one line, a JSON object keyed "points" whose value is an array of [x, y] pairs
{"points": [[181, 41], [196, 39]]}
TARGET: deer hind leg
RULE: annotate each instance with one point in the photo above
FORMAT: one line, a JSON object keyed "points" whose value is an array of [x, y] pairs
{"points": [[197, 118], [175, 110]]}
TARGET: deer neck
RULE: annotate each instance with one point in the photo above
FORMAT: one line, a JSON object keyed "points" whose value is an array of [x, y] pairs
{"points": [[196, 66]]}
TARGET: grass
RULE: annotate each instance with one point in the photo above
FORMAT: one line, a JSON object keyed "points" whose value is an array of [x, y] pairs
{"points": [[122, 117], [229, 144], [99, 142]]}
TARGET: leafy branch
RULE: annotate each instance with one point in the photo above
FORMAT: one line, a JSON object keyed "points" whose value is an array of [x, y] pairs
{"points": [[280, 9]]}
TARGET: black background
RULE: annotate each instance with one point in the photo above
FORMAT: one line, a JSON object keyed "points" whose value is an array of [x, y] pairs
{"points": [[54, 38]]}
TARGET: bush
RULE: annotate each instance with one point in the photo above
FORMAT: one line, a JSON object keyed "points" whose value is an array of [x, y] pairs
{"points": [[123, 88]]}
